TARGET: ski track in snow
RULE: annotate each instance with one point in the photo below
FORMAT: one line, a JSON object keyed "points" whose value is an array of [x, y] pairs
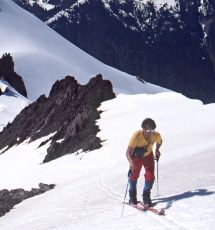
{"points": [[107, 189]]}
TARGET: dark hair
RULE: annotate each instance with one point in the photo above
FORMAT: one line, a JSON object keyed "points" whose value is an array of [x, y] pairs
{"points": [[148, 122]]}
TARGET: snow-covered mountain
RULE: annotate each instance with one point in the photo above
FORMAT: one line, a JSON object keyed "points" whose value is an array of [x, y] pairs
{"points": [[42, 56], [170, 45], [90, 186]]}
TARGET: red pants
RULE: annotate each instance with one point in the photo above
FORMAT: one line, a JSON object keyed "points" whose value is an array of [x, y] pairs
{"points": [[148, 163]]}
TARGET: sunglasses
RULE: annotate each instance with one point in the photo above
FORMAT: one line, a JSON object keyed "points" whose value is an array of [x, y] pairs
{"points": [[149, 131]]}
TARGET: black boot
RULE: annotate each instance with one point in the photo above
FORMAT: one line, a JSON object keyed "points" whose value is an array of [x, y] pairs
{"points": [[147, 199], [133, 198]]}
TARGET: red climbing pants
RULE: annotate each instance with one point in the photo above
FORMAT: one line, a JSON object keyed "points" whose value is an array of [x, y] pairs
{"points": [[148, 163]]}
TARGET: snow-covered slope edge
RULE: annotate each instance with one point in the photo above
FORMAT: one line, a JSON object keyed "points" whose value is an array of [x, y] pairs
{"points": [[42, 56], [11, 103]]}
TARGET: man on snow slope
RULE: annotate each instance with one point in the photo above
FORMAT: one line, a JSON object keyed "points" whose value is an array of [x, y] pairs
{"points": [[140, 153]]}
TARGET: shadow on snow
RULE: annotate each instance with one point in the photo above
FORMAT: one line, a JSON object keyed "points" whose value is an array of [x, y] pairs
{"points": [[189, 194], [9, 93]]}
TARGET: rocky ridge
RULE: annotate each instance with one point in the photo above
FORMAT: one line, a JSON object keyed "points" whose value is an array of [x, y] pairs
{"points": [[68, 115], [8, 199]]}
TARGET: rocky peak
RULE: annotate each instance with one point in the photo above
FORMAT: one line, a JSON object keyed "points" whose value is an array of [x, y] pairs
{"points": [[69, 113], [8, 74]]}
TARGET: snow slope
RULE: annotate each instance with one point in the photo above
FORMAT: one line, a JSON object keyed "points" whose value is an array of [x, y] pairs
{"points": [[42, 56], [11, 103], [91, 186]]}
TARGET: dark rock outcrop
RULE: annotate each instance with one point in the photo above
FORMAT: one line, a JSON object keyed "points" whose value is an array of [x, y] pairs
{"points": [[8, 199], [8, 74], [69, 113]]}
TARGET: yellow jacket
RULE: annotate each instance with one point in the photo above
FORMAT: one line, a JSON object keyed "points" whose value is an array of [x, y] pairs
{"points": [[138, 140]]}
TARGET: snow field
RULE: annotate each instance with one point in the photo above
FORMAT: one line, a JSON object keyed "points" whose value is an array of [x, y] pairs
{"points": [[91, 186]]}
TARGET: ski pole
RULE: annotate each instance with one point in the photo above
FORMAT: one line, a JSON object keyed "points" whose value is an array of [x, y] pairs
{"points": [[129, 172], [157, 179]]}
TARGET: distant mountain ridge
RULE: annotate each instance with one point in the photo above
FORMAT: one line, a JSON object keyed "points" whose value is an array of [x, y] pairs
{"points": [[166, 47]]}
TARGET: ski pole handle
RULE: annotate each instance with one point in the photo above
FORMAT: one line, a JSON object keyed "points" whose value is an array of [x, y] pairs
{"points": [[129, 172]]}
